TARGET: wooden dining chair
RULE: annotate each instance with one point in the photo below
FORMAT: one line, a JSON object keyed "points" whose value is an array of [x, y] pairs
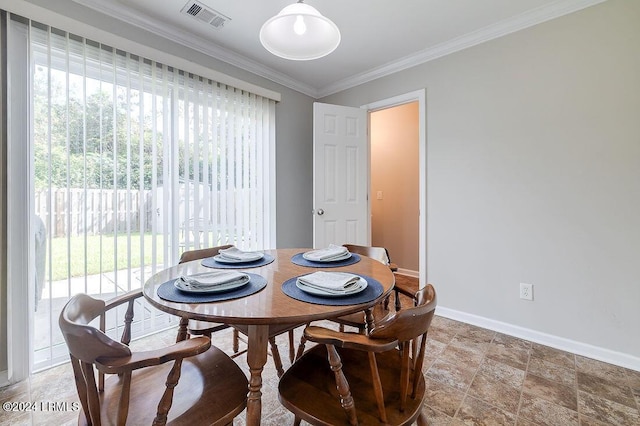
{"points": [[381, 254], [358, 319], [363, 379], [204, 328], [188, 383]]}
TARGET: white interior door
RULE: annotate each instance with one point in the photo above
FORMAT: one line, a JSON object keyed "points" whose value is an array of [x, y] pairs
{"points": [[340, 175]]}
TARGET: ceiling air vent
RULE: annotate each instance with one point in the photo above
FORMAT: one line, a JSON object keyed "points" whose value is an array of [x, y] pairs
{"points": [[205, 14]]}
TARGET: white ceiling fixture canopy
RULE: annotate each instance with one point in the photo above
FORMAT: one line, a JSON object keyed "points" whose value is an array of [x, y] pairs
{"points": [[300, 33]]}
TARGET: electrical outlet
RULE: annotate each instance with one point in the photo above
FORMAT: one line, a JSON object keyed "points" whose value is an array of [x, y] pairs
{"points": [[526, 291]]}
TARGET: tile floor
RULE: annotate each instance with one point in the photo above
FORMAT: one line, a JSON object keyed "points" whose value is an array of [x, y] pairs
{"points": [[474, 377]]}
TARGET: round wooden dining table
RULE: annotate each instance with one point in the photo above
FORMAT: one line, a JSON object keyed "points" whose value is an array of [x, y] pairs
{"points": [[268, 306]]}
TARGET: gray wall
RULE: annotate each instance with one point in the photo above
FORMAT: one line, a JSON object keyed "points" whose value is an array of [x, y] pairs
{"points": [[533, 175]]}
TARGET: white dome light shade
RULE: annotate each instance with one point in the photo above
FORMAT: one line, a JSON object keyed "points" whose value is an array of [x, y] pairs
{"points": [[300, 33]]}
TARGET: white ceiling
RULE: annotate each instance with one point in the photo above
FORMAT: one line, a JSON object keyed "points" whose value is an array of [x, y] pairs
{"points": [[378, 36]]}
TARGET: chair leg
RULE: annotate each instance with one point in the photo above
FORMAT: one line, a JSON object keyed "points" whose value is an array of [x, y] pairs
{"points": [[292, 351], [236, 340], [346, 399], [303, 342], [275, 353], [296, 421], [422, 419], [386, 303]]}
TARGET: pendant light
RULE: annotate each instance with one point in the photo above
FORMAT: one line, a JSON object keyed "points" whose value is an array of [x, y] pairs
{"points": [[300, 33]]}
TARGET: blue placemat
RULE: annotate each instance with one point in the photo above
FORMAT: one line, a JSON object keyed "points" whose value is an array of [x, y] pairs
{"points": [[210, 262], [373, 291], [301, 261], [168, 291]]}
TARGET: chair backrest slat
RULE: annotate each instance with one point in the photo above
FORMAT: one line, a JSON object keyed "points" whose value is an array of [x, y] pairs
{"points": [[190, 255], [419, 362], [93, 400], [81, 384], [128, 319]]}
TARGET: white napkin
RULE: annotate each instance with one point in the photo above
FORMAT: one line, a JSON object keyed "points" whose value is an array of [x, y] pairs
{"points": [[331, 282], [325, 254], [212, 279], [234, 253]]}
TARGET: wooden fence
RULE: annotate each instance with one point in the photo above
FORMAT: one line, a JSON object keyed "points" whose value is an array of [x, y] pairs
{"points": [[76, 211]]}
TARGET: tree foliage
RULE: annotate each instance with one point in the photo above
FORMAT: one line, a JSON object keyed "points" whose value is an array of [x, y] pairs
{"points": [[88, 134], [92, 141]]}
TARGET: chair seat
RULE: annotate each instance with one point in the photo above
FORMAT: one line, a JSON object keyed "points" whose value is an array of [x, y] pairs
{"points": [[305, 378], [204, 375]]}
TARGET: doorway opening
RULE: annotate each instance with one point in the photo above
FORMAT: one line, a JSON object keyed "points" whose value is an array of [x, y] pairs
{"points": [[416, 97], [395, 184]]}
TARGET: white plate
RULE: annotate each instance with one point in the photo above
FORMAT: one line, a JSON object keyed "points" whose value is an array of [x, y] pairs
{"points": [[335, 259], [222, 259], [318, 292], [179, 284]]}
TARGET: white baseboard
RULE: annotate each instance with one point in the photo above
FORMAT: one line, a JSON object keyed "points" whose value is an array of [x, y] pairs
{"points": [[408, 272], [4, 378], [578, 348]]}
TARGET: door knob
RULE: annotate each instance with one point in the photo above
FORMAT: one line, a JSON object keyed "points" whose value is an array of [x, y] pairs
{"points": [[320, 212]]}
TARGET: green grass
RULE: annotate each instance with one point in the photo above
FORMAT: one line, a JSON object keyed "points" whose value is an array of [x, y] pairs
{"points": [[69, 256], [98, 253]]}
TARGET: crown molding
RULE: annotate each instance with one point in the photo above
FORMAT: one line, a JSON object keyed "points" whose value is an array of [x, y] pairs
{"points": [[133, 17], [491, 32]]}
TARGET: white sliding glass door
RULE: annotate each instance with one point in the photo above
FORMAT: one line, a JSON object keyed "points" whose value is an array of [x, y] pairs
{"points": [[130, 163]]}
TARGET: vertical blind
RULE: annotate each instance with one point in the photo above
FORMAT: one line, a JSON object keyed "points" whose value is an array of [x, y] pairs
{"points": [[134, 162]]}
